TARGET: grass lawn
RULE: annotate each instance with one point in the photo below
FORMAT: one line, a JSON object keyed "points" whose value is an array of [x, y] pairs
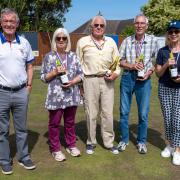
{"points": [[102, 165]]}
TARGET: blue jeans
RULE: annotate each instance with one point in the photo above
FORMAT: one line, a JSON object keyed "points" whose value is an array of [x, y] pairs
{"points": [[142, 90]]}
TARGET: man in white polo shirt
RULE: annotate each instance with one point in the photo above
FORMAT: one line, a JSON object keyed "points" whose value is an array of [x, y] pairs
{"points": [[16, 74]]}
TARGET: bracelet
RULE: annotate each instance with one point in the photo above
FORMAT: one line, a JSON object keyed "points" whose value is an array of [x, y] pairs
{"points": [[29, 85]]}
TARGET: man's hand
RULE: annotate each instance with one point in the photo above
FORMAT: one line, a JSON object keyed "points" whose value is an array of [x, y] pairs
{"points": [[112, 77], [29, 88], [138, 66], [146, 76]]}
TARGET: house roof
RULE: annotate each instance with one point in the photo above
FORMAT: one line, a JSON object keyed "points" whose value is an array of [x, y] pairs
{"points": [[113, 26]]}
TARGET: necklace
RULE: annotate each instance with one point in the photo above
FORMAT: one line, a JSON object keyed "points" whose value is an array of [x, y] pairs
{"points": [[98, 46]]}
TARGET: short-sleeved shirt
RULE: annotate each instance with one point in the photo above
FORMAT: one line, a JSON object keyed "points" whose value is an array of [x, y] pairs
{"points": [[96, 61], [57, 97], [14, 56], [162, 58], [149, 49]]}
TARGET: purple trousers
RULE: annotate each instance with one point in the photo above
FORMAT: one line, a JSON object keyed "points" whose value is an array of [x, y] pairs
{"points": [[69, 127]]}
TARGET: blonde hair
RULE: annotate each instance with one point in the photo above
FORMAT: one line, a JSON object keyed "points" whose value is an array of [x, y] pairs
{"points": [[65, 32]]}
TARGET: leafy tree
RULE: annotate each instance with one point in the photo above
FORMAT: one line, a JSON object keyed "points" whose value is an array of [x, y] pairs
{"points": [[39, 15], [128, 31], [160, 12]]}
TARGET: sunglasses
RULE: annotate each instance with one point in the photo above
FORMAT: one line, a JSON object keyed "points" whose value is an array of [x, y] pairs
{"points": [[61, 38], [173, 31], [99, 25]]}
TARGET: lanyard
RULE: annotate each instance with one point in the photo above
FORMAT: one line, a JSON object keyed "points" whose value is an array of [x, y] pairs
{"points": [[177, 58], [99, 47], [138, 47], [62, 62]]}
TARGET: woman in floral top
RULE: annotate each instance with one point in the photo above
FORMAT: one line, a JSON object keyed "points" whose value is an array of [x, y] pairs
{"points": [[62, 98]]}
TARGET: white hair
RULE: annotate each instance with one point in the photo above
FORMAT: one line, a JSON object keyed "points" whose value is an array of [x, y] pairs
{"points": [[141, 15], [65, 32], [9, 11], [98, 16]]}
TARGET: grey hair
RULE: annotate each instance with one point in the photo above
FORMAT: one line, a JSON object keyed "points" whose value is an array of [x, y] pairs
{"points": [[141, 15], [98, 16], [65, 32], [9, 11]]}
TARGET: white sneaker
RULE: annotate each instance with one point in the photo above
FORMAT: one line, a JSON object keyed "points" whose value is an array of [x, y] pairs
{"points": [[167, 152], [58, 156], [73, 151], [176, 158], [122, 146]]}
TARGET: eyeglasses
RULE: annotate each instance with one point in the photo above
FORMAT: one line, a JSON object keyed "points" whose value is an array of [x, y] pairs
{"points": [[173, 32], [140, 23], [99, 25], [61, 38]]}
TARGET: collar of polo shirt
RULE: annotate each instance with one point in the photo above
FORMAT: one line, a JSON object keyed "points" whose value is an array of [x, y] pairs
{"points": [[3, 38]]}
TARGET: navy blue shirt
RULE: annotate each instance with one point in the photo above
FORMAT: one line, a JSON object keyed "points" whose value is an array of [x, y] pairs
{"points": [[162, 58]]}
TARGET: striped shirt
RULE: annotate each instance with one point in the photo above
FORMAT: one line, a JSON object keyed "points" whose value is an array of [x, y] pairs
{"points": [[149, 49]]}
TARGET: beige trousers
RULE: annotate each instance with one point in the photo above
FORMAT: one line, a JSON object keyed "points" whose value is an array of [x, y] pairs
{"points": [[99, 100]]}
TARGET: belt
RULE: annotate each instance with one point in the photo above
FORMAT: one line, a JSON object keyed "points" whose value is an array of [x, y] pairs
{"points": [[94, 75], [132, 71], [12, 89]]}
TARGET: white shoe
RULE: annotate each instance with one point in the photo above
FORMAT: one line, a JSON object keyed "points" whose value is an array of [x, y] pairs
{"points": [[58, 156], [122, 146], [167, 152], [73, 151], [176, 158]]}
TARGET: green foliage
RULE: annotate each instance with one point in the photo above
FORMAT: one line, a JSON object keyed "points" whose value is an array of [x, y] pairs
{"points": [[160, 12], [128, 31], [39, 15]]}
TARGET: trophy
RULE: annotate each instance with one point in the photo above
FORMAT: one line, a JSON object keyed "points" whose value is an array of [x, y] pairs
{"points": [[113, 66], [173, 68], [63, 75], [140, 73]]}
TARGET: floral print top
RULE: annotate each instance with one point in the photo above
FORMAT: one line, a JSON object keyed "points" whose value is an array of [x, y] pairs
{"points": [[58, 97]]}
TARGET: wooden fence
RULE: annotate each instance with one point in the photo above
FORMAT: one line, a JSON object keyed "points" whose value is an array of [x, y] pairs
{"points": [[44, 44]]}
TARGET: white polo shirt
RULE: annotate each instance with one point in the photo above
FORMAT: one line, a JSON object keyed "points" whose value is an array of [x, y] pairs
{"points": [[14, 57]]}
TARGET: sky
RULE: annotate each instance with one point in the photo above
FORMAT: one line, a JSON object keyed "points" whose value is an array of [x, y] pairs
{"points": [[83, 10]]}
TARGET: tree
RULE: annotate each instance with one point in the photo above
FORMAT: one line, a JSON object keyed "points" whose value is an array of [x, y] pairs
{"points": [[39, 15], [128, 31], [159, 13]]}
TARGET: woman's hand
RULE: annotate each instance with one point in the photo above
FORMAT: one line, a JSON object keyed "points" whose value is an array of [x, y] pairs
{"points": [[177, 80], [171, 61], [69, 84], [60, 69], [76, 80]]}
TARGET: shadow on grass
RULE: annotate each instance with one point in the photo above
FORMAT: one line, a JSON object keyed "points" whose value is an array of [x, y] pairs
{"points": [[81, 132], [154, 136], [32, 140]]}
